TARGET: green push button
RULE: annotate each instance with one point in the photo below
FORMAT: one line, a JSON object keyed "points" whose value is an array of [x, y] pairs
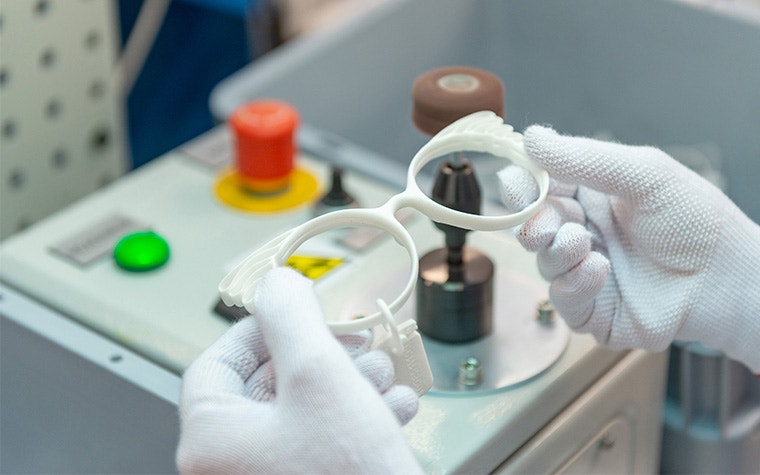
{"points": [[140, 252]]}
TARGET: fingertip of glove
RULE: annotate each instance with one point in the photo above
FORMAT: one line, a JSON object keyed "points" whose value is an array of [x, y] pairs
{"points": [[357, 344], [280, 276], [403, 401], [538, 232], [574, 235], [518, 188], [538, 130], [582, 283], [281, 280], [377, 367], [600, 261], [288, 310], [536, 135]]}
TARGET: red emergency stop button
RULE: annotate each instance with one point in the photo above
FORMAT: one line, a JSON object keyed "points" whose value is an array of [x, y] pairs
{"points": [[264, 136]]}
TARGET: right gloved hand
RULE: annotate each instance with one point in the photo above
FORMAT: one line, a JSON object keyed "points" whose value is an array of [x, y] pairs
{"points": [[278, 393], [640, 251]]}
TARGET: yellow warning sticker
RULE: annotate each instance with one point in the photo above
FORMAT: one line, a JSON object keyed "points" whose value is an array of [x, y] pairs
{"points": [[313, 267]]}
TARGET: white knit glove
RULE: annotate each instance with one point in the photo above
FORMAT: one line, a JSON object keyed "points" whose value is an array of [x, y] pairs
{"points": [[278, 393], [640, 251]]}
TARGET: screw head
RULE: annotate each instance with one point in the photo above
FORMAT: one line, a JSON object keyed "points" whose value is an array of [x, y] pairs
{"points": [[470, 371], [545, 312]]}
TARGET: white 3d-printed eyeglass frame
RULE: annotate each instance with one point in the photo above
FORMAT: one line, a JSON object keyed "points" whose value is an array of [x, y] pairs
{"points": [[479, 132]]}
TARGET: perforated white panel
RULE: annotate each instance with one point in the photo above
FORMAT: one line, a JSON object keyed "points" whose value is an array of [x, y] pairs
{"points": [[61, 121]]}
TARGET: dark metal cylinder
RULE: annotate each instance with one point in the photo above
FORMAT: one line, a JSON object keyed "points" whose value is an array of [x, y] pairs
{"points": [[455, 303], [456, 187]]}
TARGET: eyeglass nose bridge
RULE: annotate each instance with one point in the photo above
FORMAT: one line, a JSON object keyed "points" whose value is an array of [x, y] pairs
{"points": [[479, 132]]}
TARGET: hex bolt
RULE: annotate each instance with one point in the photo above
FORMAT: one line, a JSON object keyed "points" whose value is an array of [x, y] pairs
{"points": [[545, 312], [470, 372]]}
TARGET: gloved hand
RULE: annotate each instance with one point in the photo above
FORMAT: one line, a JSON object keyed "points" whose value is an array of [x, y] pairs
{"points": [[279, 393], [639, 250]]}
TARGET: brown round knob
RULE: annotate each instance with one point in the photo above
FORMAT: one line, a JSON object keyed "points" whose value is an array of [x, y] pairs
{"points": [[444, 95]]}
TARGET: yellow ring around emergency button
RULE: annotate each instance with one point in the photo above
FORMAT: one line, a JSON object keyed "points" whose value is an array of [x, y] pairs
{"points": [[231, 191], [141, 251]]}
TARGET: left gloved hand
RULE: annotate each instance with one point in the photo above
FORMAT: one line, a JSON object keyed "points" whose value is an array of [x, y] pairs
{"points": [[278, 393]]}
